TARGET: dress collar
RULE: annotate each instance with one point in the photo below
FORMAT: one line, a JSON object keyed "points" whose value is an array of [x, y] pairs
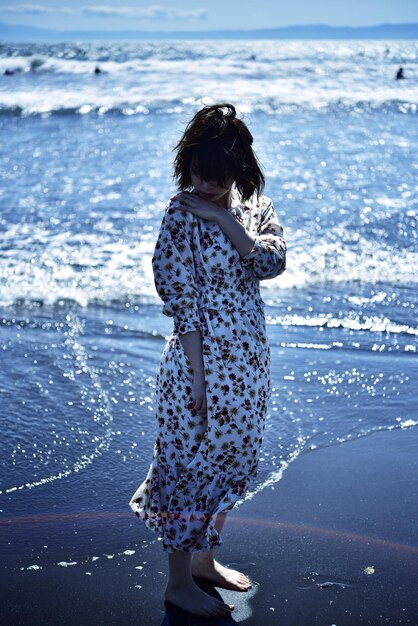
{"points": [[236, 201]]}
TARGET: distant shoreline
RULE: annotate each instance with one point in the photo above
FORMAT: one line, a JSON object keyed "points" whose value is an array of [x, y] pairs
{"points": [[409, 31]]}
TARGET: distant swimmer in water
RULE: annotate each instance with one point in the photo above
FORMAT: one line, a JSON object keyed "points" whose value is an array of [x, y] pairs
{"points": [[400, 74], [97, 70], [12, 71], [35, 64]]}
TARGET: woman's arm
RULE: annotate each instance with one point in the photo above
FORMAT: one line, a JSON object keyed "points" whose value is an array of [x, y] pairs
{"points": [[174, 272], [264, 254], [186, 201], [192, 345], [174, 279], [243, 241], [266, 258]]}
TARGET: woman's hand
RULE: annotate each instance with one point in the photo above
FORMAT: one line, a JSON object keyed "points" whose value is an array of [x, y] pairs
{"points": [[198, 206], [191, 343], [199, 393]]}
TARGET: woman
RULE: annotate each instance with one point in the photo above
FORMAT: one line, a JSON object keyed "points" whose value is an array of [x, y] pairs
{"points": [[219, 237]]}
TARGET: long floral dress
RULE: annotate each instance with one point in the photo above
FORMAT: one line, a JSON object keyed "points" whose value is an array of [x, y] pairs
{"points": [[203, 465]]}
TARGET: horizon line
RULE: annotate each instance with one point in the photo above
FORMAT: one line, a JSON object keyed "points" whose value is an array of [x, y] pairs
{"points": [[220, 30]]}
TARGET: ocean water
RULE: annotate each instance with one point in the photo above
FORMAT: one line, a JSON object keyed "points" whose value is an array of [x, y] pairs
{"points": [[85, 164]]}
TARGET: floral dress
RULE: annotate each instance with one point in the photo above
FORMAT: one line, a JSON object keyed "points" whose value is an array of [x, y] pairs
{"points": [[203, 465]]}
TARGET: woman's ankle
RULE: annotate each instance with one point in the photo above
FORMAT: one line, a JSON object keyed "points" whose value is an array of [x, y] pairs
{"points": [[180, 583], [206, 558]]}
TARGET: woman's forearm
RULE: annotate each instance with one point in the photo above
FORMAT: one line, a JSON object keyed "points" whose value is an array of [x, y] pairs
{"points": [[192, 345], [236, 233]]}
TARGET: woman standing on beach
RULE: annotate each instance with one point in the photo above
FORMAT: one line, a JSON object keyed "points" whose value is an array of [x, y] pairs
{"points": [[218, 238]]}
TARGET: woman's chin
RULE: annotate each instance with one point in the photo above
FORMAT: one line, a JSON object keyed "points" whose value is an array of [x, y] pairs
{"points": [[210, 198]]}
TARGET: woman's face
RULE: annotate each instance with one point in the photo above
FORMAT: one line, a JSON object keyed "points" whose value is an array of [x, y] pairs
{"points": [[210, 189]]}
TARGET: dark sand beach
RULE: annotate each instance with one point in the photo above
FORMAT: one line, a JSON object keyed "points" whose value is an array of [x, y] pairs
{"points": [[305, 544]]}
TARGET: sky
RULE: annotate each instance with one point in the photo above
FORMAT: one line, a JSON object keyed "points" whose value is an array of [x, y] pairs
{"points": [[187, 15]]}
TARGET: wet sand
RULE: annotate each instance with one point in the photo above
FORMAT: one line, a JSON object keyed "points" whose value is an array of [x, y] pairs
{"points": [[305, 544]]}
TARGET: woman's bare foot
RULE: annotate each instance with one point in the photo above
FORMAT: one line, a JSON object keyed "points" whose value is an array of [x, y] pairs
{"points": [[190, 598], [225, 577]]}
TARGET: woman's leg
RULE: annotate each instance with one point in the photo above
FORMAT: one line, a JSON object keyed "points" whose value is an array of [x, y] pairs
{"points": [[220, 521], [179, 565], [182, 590], [204, 565], [209, 556]]}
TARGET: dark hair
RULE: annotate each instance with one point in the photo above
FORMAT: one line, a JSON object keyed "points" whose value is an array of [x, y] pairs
{"points": [[218, 145]]}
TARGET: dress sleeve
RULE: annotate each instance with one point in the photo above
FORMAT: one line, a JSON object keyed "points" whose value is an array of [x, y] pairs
{"points": [[267, 259], [174, 273]]}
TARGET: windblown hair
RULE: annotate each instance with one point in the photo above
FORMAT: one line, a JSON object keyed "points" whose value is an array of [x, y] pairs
{"points": [[217, 145]]}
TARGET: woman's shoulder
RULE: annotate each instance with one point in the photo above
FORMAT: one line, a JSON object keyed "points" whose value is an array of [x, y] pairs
{"points": [[178, 222], [173, 212]]}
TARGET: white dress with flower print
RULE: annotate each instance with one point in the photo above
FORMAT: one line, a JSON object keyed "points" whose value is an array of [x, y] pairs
{"points": [[203, 465]]}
